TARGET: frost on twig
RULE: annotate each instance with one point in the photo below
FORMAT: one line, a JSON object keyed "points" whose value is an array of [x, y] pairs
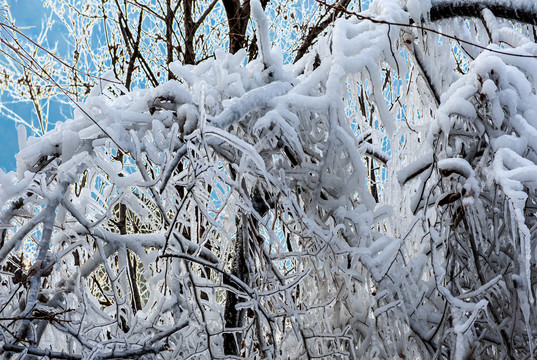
{"points": [[267, 210], [144, 235]]}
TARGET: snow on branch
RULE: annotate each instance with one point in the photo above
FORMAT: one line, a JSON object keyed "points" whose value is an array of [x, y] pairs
{"points": [[218, 172], [331, 208]]}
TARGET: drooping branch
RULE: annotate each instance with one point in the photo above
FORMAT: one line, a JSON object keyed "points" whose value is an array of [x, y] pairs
{"points": [[413, 25]]}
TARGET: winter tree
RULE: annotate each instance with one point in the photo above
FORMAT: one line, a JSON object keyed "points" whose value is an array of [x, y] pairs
{"points": [[368, 191]]}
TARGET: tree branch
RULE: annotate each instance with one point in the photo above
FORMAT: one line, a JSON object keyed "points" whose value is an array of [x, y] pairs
{"points": [[448, 10], [314, 31], [126, 354]]}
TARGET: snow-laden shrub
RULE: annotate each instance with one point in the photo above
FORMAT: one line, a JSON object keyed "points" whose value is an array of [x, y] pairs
{"points": [[236, 210]]}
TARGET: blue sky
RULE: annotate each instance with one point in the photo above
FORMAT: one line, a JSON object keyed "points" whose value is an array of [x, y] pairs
{"points": [[8, 133], [26, 13], [29, 15]]}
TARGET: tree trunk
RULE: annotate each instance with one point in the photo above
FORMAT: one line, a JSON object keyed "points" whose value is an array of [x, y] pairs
{"points": [[235, 318]]}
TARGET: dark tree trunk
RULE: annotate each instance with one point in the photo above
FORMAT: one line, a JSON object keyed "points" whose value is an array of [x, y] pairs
{"points": [[169, 36], [190, 56], [235, 318], [237, 17]]}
